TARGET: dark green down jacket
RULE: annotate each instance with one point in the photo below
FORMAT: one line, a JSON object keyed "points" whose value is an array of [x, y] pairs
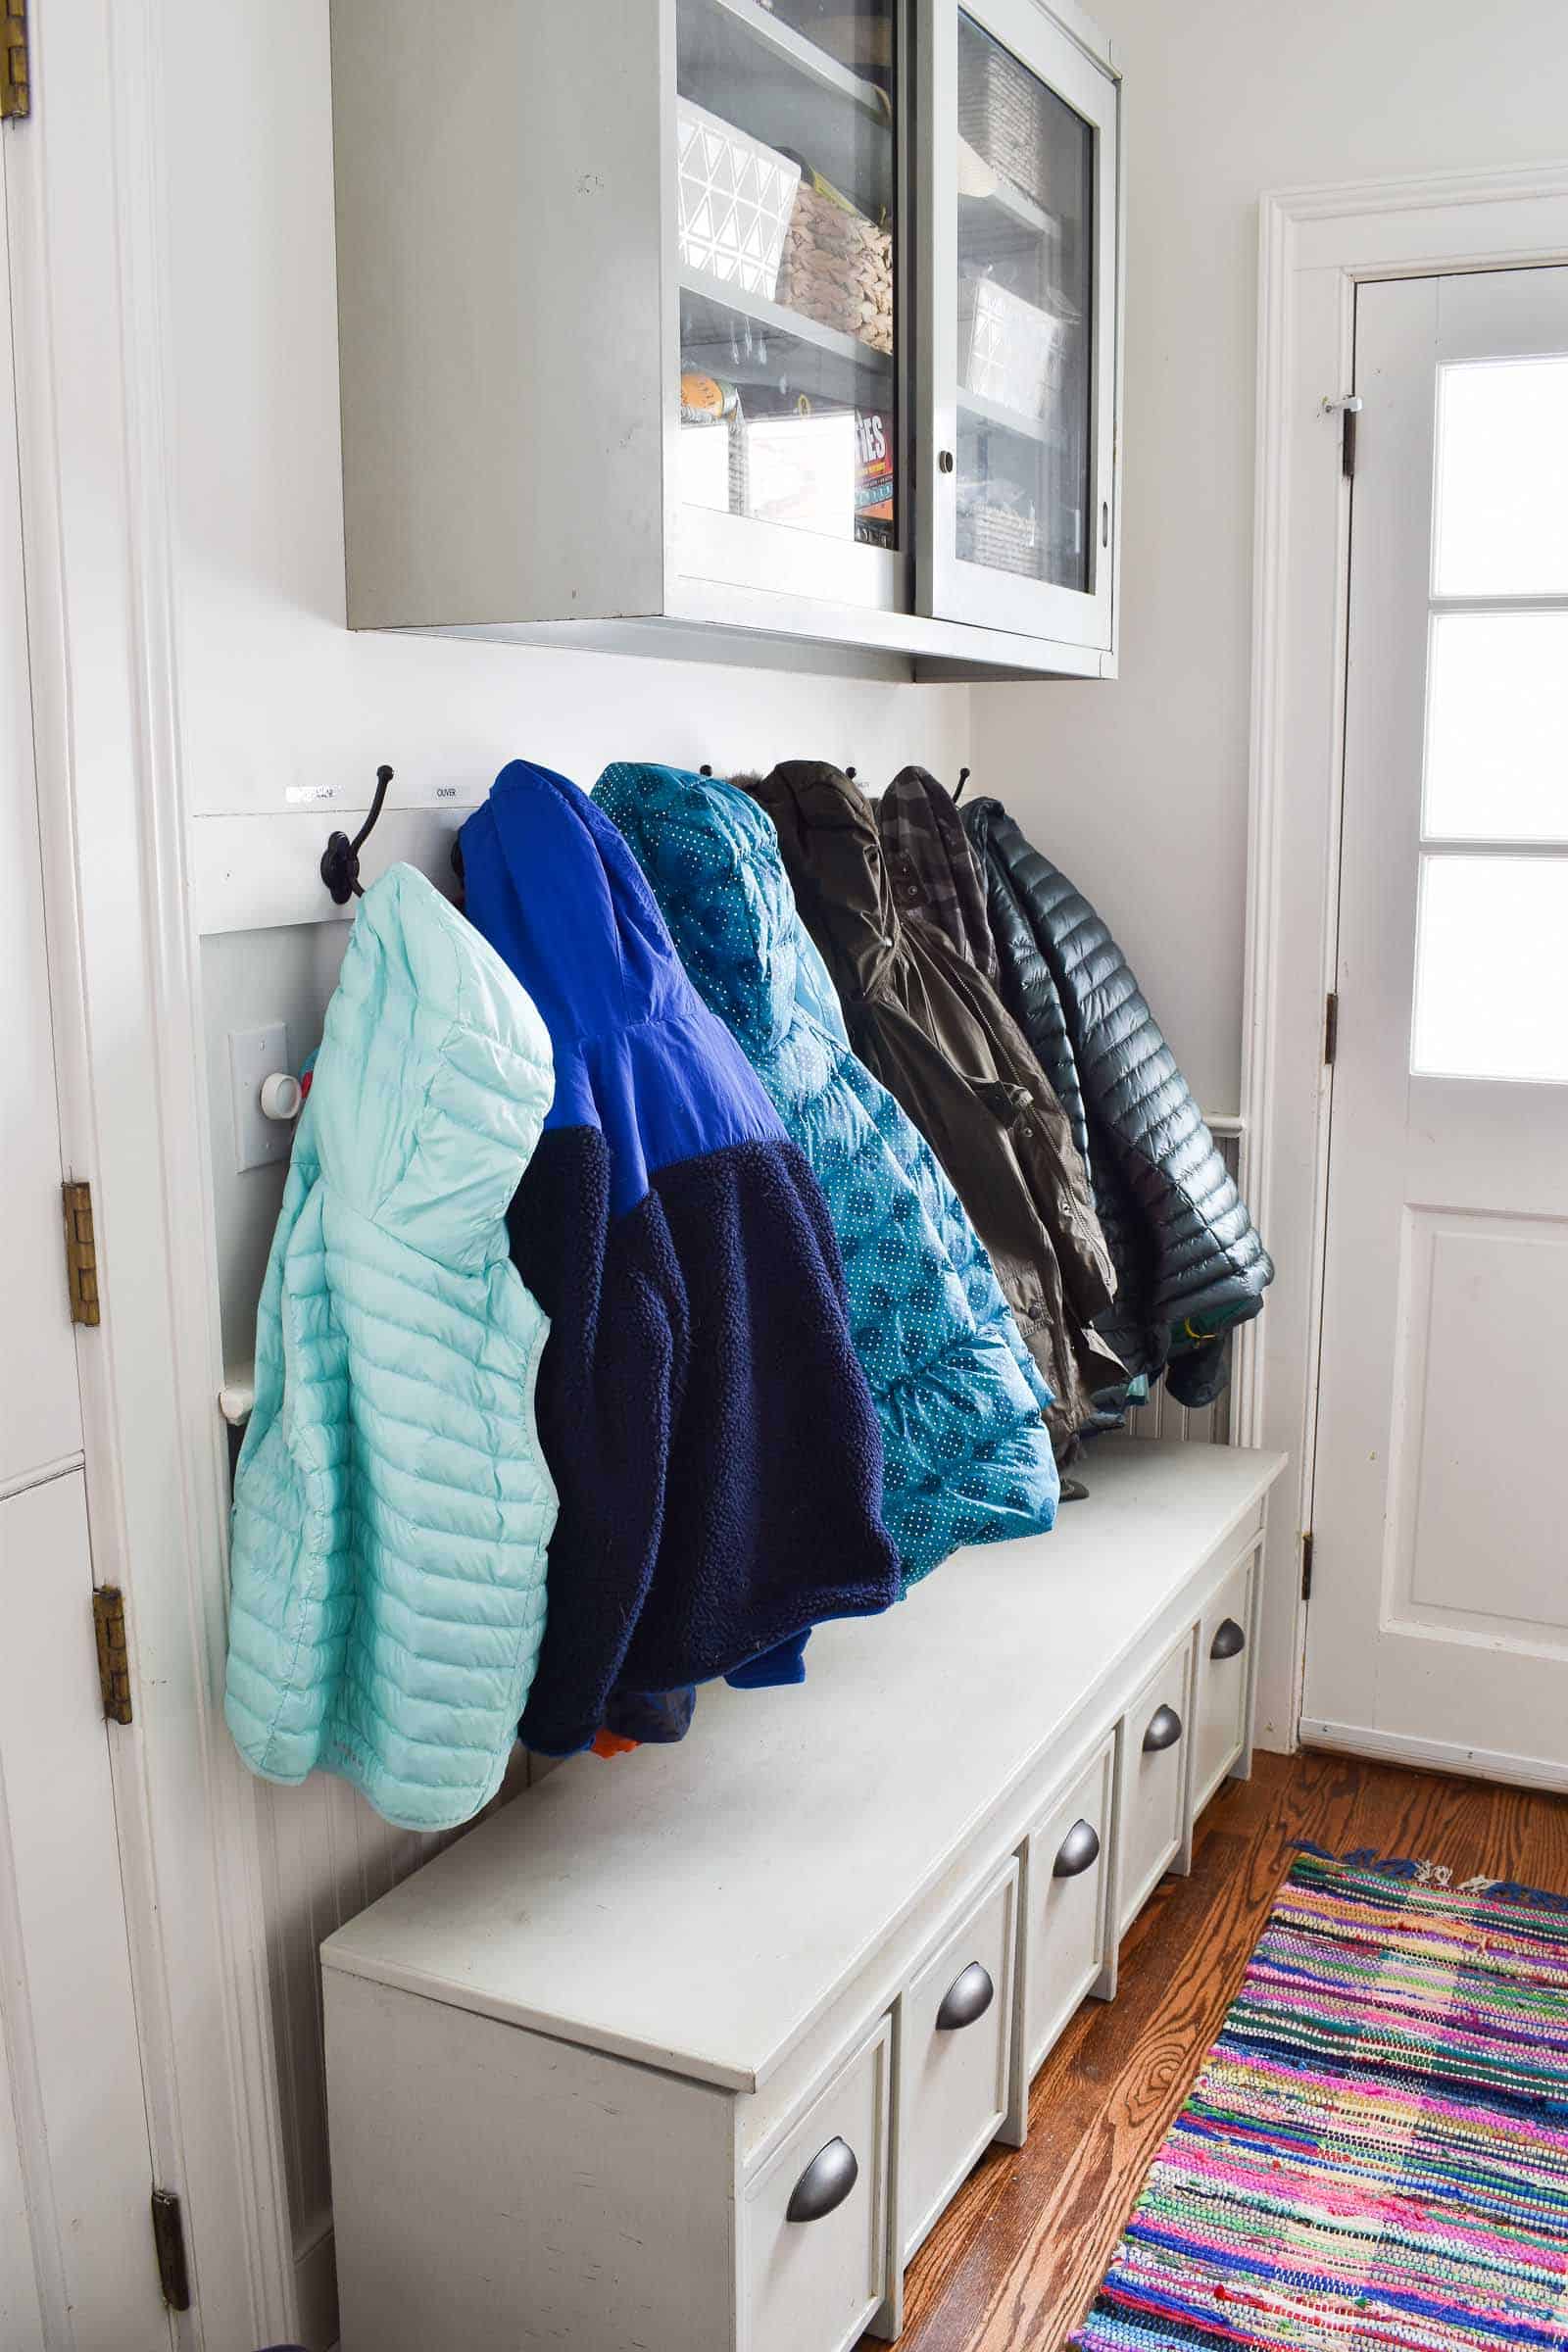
{"points": [[1189, 1262]]}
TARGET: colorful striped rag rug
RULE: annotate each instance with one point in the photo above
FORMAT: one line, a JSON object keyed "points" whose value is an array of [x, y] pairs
{"points": [[1376, 2150]]}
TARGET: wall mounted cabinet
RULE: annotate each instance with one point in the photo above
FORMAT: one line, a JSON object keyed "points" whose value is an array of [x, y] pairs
{"points": [[701, 325]]}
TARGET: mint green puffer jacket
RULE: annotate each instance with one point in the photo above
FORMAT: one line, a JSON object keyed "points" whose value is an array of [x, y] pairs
{"points": [[391, 1504]]}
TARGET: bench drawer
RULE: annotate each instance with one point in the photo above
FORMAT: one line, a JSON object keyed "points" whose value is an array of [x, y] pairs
{"points": [[1069, 1864], [954, 2053], [1155, 1736], [1224, 1662], [815, 2262]]}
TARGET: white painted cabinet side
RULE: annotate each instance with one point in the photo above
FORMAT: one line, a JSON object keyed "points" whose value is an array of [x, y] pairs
{"points": [[499, 202], [506, 2193]]}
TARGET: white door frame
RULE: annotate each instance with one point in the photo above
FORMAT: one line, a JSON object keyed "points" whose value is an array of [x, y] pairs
{"points": [[86, 256], [1316, 246]]}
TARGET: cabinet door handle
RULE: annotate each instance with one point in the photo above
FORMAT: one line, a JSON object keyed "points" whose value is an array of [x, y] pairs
{"points": [[968, 1998], [1080, 1850], [1229, 1642], [1165, 1729], [824, 2185]]}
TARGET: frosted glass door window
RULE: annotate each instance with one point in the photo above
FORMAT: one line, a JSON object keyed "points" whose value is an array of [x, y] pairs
{"points": [[1492, 947], [1501, 516], [1497, 727], [1492, 969], [787, 163], [1025, 250]]}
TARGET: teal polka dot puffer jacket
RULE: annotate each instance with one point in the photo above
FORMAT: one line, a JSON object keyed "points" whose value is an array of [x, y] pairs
{"points": [[966, 1455]]}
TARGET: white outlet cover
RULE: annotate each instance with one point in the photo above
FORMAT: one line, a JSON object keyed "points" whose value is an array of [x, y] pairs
{"points": [[253, 1055]]}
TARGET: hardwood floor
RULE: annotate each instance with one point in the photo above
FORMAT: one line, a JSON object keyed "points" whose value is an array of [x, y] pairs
{"points": [[1016, 2259]]}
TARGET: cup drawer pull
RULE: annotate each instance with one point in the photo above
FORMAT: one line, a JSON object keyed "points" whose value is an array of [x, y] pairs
{"points": [[824, 2185], [1080, 1850], [1165, 1729], [968, 1998], [1229, 1642]]}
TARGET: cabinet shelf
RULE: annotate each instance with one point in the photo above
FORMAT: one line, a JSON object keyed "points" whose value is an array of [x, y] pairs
{"points": [[992, 413], [703, 287], [1018, 209], [806, 57]]}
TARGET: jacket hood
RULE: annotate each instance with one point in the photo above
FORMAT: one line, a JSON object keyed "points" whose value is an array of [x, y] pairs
{"points": [[933, 868], [583, 933], [828, 837], [713, 860], [433, 1079]]}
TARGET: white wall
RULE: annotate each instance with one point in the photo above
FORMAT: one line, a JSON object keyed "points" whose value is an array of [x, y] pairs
{"points": [[1138, 788]]}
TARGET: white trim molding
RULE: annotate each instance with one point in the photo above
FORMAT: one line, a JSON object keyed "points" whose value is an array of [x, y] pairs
{"points": [[86, 253], [1433, 1755], [1316, 245]]}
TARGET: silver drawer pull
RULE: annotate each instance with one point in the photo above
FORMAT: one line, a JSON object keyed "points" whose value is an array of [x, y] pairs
{"points": [[1165, 1729], [968, 1998], [1080, 1850], [1229, 1642], [824, 2185]]}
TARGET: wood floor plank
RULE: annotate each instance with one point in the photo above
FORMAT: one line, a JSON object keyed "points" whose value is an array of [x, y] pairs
{"points": [[1014, 2262]]}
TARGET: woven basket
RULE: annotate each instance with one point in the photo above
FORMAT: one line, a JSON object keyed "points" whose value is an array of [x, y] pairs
{"points": [[1005, 112], [999, 538], [837, 269]]}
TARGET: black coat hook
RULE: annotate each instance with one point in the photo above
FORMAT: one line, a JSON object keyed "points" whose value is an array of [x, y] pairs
{"points": [[964, 778], [704, 770], [849, 773], [340, 859]]}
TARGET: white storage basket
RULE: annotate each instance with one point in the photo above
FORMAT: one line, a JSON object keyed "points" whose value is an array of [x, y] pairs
{"points": [[736, 197], [1011, 350]]}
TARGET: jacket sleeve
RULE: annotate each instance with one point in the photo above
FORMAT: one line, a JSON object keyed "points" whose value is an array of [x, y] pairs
{"points": [[608, 1396]]}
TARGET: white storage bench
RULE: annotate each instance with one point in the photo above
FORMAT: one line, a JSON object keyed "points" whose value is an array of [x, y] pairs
{"points": [[687, 2052]]}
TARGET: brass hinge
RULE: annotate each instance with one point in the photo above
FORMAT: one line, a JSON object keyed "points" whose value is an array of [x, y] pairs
{"points": [[15, 94], [1306, 1565], [169, 2236], [82, 1249], [1331, 1027], [114, 1659]]}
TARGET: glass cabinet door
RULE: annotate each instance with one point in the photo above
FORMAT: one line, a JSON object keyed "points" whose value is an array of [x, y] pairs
{"points": [[788, 290], [1018, 324]]}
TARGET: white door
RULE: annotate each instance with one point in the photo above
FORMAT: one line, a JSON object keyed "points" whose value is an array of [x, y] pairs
{"points": [[1438, 1619], [77, 2270]]}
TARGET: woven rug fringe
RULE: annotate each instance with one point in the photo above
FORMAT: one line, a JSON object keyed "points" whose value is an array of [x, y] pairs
{"points": [[1420, 1871]]}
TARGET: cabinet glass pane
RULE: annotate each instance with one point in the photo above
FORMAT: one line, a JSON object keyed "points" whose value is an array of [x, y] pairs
{"points": [[1492, 969], [1501, 525], [786, 158], [1025, 285], [1497, 727]]}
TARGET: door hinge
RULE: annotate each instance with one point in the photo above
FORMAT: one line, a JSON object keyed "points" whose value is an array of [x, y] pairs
{"points": [[114, 1658], [1348, 411], [169, 2236], [1331, 1027], [82, 1249], [1306, 1565], [16, 92]]}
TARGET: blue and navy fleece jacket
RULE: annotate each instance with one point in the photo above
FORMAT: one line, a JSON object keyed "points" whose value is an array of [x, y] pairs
{"points": [[700, 1403], [966, 1455]]}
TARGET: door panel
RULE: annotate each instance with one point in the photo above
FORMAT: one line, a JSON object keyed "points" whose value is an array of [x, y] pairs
{"points": [[1438, 1611], [64, 1965]]}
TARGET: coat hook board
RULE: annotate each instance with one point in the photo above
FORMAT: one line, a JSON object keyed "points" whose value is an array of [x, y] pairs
{"points": [[340, 859]]}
